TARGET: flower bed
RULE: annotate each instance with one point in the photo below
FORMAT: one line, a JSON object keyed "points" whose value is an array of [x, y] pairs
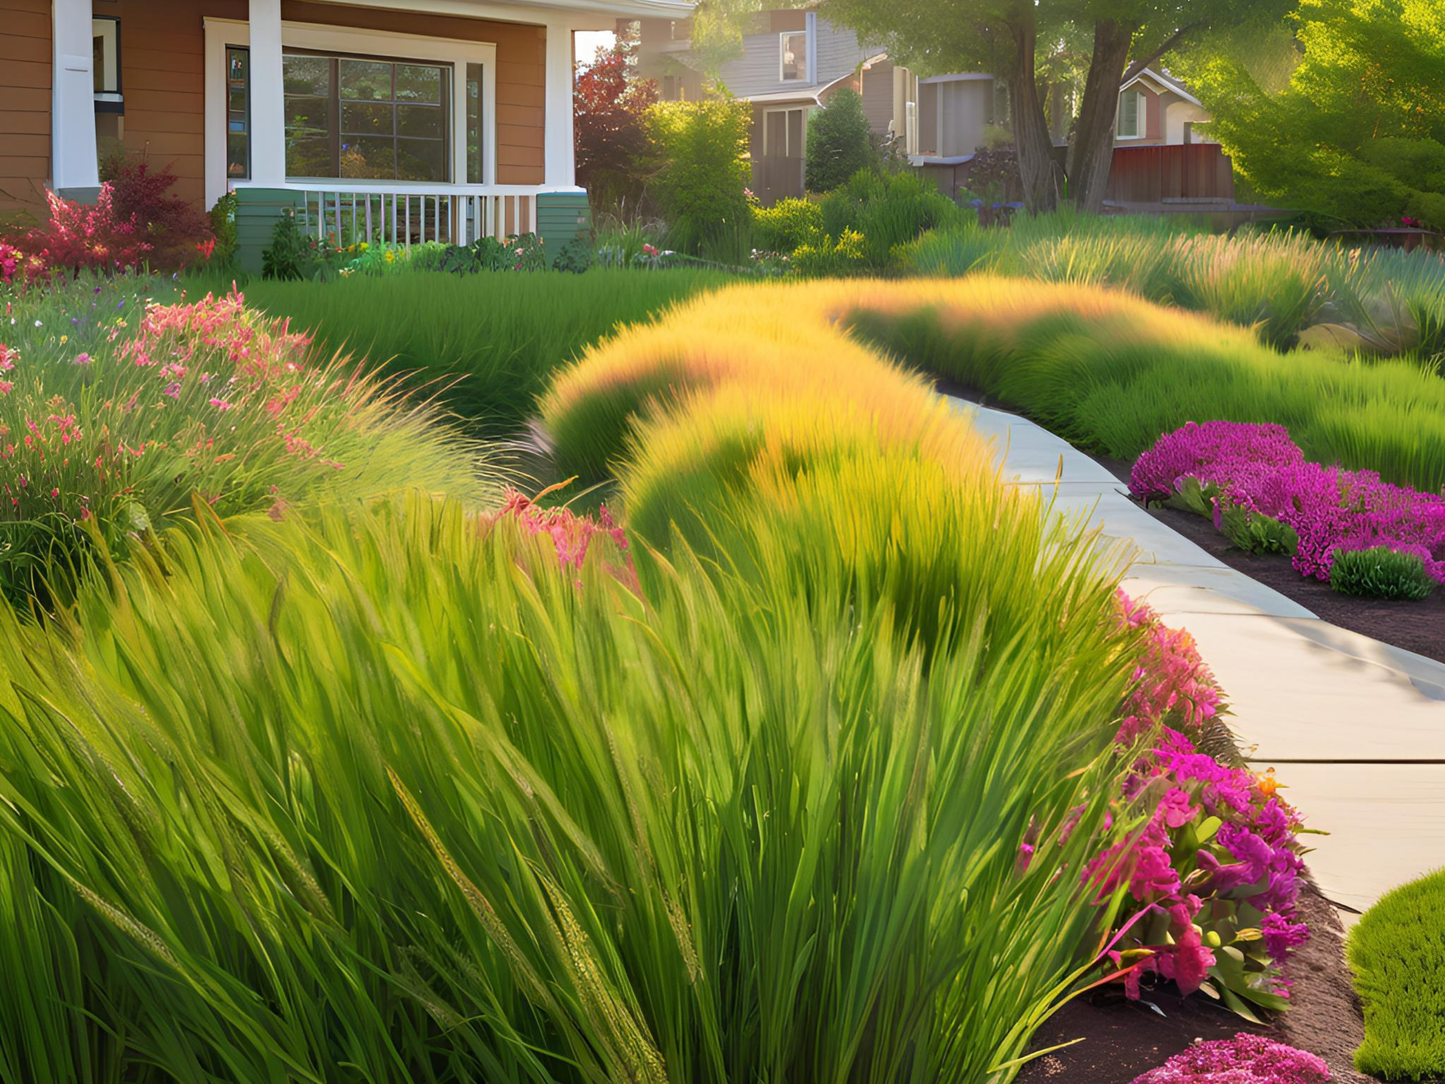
{"points": [[1245, 1059], [1261, 491], [1211, 863]]}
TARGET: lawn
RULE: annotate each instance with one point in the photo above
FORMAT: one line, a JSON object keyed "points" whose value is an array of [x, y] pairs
{"points": [[486, 343]]}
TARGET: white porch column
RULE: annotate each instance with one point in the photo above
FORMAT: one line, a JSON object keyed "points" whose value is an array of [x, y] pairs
{"points": [[73, 168], [559, 154], [268, 101]]}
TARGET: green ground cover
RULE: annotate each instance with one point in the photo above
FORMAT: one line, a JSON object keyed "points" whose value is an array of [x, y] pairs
{"points": [[1397, 953], [490, 340]]}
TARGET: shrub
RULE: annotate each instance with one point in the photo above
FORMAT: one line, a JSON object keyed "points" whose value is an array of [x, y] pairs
{"points": [[207, 400], [292, 253], [79, 237], [223, 228], [1397, 954], [701, 173], [172, 226], [839, 142], [833, 257], [1245, 1059], [1381, 572], [787, 225], [889, 210], [610, 133]]}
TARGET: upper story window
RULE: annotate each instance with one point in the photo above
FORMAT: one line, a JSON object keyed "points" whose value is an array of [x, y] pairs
{"points": [[1132, 113], [793, 46], [364, 117]]}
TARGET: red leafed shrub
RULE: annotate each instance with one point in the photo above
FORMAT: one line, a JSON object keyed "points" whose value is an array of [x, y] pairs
{"points": [[78, 235], [172, 226], [610, 103]]}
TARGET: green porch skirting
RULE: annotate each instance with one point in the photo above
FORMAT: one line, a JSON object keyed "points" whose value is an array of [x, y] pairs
{"points": [[257, 210], [561, 217]]}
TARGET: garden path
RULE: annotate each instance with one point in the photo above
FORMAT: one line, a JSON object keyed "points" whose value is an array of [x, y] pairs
{"points": [[1355, 727]]}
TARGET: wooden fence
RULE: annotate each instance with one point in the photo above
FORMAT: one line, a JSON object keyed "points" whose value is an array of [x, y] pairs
{"points": [[1189, 171]]}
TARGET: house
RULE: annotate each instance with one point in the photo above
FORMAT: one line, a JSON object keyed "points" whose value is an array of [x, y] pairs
{"points": [[1155, 109], [398, 120], [792, 62]]}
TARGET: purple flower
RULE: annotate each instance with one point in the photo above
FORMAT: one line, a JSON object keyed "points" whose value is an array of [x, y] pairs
{"points": [[1245, 1059]]}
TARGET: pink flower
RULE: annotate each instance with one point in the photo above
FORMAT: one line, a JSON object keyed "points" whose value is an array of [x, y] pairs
{"points": [[220, 404]]}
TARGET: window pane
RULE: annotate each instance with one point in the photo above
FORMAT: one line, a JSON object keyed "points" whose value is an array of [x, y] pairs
{"points": [[366, 118], [306, 74], [418, 83], [419, 120], [795, 56], [363, 80], [367, 157], [307, 117], [476, 169], [421, 160], [238, 113], [309, 157]]}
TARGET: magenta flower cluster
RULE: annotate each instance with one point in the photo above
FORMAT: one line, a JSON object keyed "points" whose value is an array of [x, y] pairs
{"points": [[571, 534], [1245, 1059], [1258, 468], [1211, 865]]}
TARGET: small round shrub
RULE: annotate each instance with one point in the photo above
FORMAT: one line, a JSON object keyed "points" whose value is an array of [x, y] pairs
{"points": [[787, 224], [1380, 572]]}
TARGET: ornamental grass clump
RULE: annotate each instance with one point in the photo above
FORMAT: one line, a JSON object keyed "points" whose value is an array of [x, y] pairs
{"points": [[1228, 469], [1397, 955], [205, 400], [479, 814]]}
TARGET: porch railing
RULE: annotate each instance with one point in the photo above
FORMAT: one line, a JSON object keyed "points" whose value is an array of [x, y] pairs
{"points": [[457, 214]]}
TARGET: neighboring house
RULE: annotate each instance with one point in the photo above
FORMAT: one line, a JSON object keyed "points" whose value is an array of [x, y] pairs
{"points": [[1155, 109], [399, 119], [792, 62]]}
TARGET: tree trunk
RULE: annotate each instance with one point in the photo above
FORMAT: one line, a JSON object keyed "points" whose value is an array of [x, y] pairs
{"points": [[1092, 151], [1031, 128]]}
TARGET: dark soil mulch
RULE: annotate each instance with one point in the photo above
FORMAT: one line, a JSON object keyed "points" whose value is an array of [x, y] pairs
{"points": [[1123, 1039]]}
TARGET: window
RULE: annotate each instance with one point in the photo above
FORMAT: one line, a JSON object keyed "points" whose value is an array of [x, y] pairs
{"points": [[238, 112], [794, 49], [1132, 113], [784, 133], [476, 160], [105, 63], [367, 118]]}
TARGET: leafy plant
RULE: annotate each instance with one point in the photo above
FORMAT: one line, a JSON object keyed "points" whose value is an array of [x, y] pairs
{"points": [[1381, 572], [574, 257], [833, 257], [611, 105], [83, 237], [839, 142], [172, 225], [292, 253], [889, 210], [1397, 954], [223, 228], [701, 172], [787, 224]]}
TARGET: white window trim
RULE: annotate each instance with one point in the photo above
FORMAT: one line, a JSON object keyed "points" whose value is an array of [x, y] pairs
{"points": [[1141, 117], [807, 111], [223, 32]]}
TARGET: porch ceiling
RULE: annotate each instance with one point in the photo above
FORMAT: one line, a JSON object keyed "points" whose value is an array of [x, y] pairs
{"points": [[600, 12]]}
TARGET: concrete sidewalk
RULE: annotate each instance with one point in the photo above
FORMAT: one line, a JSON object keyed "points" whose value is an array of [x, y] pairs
{"points": [[1355, 727]]}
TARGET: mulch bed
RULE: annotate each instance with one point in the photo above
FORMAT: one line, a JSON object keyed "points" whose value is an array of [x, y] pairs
{"points": [[1123, 1039]]}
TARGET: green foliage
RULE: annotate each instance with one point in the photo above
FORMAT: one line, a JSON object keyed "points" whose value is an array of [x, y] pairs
{"points": [[702, 172], [839, 142], [1380, 572], [292, 253], [223, 228], [1397, 954], [492, 363], [888, 209], [574, 257], [787, 224], [1358, 133], [829, 257], [1253, 532], [132, 410]]}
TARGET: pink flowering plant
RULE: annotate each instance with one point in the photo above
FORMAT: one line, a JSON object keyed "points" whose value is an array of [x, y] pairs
{"points": [[571, 536], [79, 237], [1258, 487], [1208, 861], [114, 421], [1245, 1059]]}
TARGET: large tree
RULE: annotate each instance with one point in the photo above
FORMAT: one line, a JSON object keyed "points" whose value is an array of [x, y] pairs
{"points": [[1009, 38], [1358, 130]]}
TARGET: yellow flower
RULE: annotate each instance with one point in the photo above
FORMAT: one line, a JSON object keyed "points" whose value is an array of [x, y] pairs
{"points": [[64, 339]]}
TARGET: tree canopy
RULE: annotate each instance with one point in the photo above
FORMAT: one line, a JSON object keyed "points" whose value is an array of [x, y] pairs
{"points": [[1358, 132]]}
